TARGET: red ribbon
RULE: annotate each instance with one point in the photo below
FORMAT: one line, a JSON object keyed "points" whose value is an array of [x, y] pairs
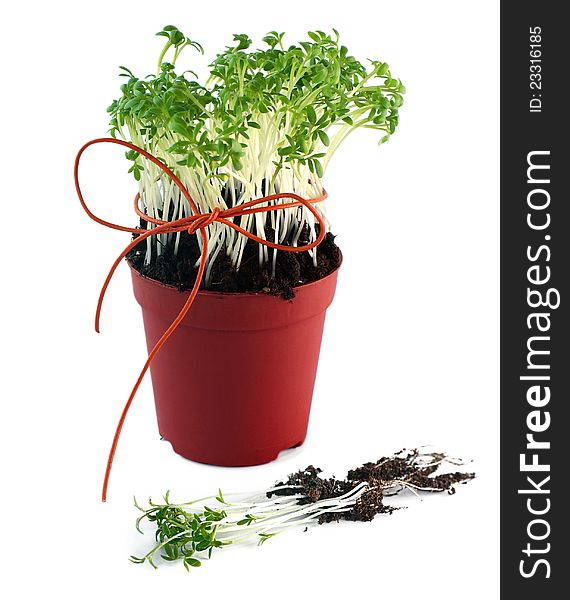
{"points": [[197, 222]]}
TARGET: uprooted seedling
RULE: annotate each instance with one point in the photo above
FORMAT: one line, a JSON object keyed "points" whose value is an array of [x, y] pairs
{"points": [[191, 531]]}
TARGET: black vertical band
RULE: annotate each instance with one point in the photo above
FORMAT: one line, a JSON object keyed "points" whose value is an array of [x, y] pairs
{"points": [[535, 298]]}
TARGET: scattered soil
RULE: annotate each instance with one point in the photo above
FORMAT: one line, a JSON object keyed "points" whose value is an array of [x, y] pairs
{"points": [[292, 269], [387, 476]]}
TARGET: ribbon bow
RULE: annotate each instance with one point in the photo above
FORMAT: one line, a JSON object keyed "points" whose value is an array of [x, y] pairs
{"points": [[197, 222]]}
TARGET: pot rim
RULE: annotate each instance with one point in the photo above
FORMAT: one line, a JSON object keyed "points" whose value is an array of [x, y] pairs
{"points": [[232, 294]]}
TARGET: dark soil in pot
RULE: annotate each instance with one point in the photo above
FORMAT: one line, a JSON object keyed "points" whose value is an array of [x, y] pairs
{"points": [[292, 268]]}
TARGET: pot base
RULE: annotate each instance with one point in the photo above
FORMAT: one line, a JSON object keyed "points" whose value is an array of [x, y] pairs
{"points": [[261, 457]]}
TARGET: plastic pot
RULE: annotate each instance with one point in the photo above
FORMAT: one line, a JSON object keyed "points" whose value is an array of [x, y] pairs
{"points": [[233, 384]]}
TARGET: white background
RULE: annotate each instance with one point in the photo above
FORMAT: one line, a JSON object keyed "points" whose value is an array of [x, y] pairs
{"points": [[409, 356]]}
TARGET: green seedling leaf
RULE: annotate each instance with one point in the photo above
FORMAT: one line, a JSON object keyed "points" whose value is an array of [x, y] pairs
{"points": [[324, 137]]}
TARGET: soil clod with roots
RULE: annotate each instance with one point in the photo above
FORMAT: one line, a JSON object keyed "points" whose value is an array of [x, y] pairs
{"points": [[388, 476]]}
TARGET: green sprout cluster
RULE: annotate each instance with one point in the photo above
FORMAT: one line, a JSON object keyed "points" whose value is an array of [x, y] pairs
{"points": [[189, 532], [265, 121]]}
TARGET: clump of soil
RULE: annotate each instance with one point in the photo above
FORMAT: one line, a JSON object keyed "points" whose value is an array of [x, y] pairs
{"points": [[387, 476], [292, 268]]}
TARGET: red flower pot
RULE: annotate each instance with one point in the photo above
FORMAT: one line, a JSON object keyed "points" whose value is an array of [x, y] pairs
{"points": [[233, 384]]}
